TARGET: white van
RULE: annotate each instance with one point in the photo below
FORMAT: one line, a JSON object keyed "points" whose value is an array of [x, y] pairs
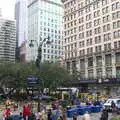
{"points": [[108, 103]]}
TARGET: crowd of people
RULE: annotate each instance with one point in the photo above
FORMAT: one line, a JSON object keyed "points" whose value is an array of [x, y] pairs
{"points": [[55, 112]]}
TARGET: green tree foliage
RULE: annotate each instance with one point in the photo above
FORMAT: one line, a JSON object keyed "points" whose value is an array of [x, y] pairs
{"points": [[52, 76], [14, 75]]}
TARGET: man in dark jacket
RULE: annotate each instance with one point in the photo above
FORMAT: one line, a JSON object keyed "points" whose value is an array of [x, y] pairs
{"points": [[104, 115]]}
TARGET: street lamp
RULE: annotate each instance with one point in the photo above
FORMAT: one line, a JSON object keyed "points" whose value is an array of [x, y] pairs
{"points": [[38, 60]]}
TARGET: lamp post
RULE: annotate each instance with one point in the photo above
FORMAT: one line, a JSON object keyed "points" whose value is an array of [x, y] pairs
{"points": [[38, 60]]}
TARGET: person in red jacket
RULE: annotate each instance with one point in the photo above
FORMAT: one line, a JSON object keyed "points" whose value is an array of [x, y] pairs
{"points": [[26, 112], [6, 113]]}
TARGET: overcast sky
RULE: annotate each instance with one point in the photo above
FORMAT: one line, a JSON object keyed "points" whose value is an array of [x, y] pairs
{"points": [[7, 7]]}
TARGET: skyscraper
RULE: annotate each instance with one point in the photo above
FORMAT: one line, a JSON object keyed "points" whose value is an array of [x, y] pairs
{"points": [[45, 19], [21, 21], [92, 38], [7, 40]]}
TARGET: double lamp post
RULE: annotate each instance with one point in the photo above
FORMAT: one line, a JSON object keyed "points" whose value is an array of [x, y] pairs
{"points": [[39, 58]]}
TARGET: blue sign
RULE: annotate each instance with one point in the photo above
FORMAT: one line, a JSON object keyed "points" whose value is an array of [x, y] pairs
{"points": [[32, 80]]}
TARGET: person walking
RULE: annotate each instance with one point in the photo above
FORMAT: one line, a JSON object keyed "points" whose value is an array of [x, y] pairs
{"points": [[49, 114], [86, 116], [26, 112], [6, 113], [104, 115]]}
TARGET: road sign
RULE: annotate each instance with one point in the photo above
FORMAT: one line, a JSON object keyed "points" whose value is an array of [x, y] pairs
{"points": [[32, 80]]}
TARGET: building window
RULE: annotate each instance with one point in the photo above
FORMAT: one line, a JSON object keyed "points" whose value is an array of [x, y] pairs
{"points": [[88, 8], [82, 65], [115, 45], [81, 35], [116, 34], [116, 25], [81, 20], [90, 62], [116, 15], [105, 10], [81, 12], [89, 50], [82, 52], [97, 22], [115, 6], [106, 28], [97, 13], [90, 74], [98, 49], [96, 5], [81, 28], [107, 46], [97, 39], [88, 33], [89, 42], [97, 30], [106, 19], [81, 44], [99, 73], [108, 60], [88, 17], [118, 58], [99, 61], [109, 72], [88, 25], [107, 37], [104, 2]]}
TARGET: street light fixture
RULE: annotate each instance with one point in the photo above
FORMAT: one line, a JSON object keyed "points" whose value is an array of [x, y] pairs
{"points": [[39, 58]]}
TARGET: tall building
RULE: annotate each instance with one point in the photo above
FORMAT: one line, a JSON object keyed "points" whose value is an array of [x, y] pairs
{"points": [[45, 19], [92, 40], [21, 21], [23, 52], [7, 40], [21, 25]]}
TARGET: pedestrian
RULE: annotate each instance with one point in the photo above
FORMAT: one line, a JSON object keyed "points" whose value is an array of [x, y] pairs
{"points": [[8, 117], [113, 106], [26, 111], [49, 114], [104, 115], [39, 116], [32, 116], [86, 116], [6, 113], [75, 117], [21, 116]]}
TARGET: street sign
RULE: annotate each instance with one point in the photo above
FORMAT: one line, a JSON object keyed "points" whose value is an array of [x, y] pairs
{"points": [[32, 80]]}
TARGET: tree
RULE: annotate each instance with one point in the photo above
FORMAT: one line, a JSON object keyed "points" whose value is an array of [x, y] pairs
{"points": [[53, 76], [14, 75]]}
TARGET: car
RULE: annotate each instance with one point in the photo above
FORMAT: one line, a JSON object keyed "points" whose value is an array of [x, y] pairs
{"points": [[108, 103]]}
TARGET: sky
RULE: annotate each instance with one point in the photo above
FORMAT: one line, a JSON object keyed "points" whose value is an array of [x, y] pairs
{"points": [[7, 8]]}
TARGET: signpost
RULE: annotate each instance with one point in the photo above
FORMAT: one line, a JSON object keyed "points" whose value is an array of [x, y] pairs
{"points": [[32, 80]]}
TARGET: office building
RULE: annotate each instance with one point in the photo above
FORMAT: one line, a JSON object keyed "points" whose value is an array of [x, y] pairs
{"points": [[7, 40], [92, 40], [21, 21], [23, 52], [45, 19]]}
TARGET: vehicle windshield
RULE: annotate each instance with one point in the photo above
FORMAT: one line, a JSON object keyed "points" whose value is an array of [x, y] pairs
{"points": [[118, 101], [109, 101]]}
